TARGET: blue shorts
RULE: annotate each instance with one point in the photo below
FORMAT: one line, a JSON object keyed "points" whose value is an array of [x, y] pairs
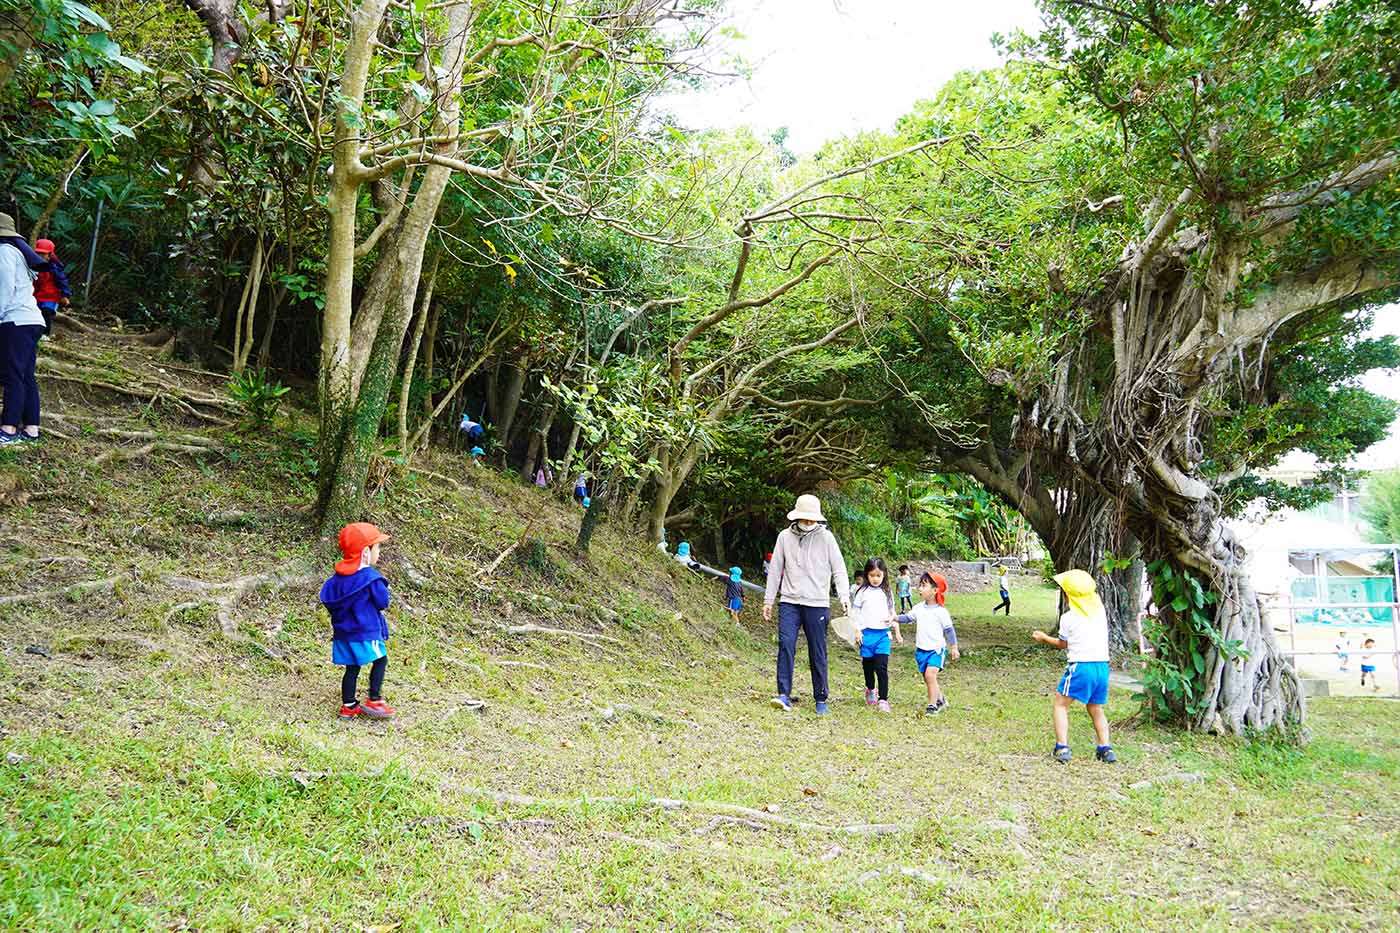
{"points": [[874, 641], [927, 659], [736, 604], [1368, 668], [1085, 681], [356, 652]]}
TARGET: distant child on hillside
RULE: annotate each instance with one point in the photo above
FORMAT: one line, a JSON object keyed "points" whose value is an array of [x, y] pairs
{"points": [[902, 584], [476, 455], [1084, 634], [933, 637], [51, 288], [1368, 664], [734, 593], [1343, 651], [872, 609], [356, 597], [1004, 587], [858, 583]]}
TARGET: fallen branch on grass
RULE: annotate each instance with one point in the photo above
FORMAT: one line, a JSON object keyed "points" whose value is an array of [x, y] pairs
{"points": [[105, 585], [708, 807]]}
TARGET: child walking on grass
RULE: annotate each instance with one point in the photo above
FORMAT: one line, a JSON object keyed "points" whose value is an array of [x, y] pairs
{"points": [[356, 597], [1084, 636], [902, 584], [1368, 664], [734, 593], [933, 637], [872, 609]]}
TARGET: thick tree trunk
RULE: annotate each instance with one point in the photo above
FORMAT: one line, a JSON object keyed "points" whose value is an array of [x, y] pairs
{"points": [[355, 380], [406, 382], [510, 402], [675, 469], [1255, 691], [17, 30], [591, 516]]}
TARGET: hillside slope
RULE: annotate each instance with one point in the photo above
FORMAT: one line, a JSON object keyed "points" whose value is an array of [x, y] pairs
{"points": [[170, 755]]}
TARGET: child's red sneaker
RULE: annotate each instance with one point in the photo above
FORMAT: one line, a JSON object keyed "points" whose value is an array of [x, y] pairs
{"points": [[377, 709], [350, 712]]}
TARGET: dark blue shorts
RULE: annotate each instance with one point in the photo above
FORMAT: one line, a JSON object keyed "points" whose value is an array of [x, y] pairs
{"points": [[1085, 681]]}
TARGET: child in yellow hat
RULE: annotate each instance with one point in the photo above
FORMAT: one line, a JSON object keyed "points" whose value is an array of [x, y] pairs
{"points": [[1084, 636]]}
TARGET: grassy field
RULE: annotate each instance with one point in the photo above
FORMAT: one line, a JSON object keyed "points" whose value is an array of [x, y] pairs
{"points": [[161, 767]]}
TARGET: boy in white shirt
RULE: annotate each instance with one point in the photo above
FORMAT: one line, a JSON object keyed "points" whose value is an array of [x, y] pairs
{"points": [[933, 636], [1084, 635]]}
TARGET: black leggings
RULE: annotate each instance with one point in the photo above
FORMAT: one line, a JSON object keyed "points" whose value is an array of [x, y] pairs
{"points": [[1005, 603], [351, 681], [877, 667]]}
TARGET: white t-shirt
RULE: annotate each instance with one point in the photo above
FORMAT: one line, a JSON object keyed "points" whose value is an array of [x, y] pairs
{"points": [[931, 620], [1087, 637], [871, 608], [1004, 581]]}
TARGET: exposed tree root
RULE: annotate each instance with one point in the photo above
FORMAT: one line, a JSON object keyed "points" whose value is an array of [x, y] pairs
{"points": [[224, 596], [712, 808], [532, 664], [530, 628], [141, 387], [145, 450], [105, 585]]}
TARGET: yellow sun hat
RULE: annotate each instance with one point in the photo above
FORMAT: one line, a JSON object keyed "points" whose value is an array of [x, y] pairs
{"points": [[1081, 592]]}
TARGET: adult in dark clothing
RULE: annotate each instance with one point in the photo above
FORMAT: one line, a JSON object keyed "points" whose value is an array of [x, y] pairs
{"points": [[21, 326]]}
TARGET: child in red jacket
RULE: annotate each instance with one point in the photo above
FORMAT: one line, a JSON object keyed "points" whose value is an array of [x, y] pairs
{"points": [[51, 287]]}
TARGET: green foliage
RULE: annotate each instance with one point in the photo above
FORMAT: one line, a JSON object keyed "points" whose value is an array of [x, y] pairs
{"points": [[1380, 506], [259, 396], [866, 527], [1186, 642]]}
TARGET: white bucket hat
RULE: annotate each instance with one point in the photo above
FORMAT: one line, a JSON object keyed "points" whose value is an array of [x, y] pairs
{"points": [[808, 508]]}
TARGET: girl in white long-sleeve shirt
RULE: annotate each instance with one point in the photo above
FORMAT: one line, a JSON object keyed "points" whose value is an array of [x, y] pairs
{"points": [[872, 609]]}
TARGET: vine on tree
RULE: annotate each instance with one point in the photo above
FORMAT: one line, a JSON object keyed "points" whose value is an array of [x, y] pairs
{"points": [[1185, 641]]}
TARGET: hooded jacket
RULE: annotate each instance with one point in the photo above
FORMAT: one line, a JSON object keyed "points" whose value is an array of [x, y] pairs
{"points": [[356, 604], [803, 567], [52, 286]]}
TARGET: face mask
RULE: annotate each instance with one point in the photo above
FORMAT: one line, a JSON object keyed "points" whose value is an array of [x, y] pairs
{"points": [[806, 526]]}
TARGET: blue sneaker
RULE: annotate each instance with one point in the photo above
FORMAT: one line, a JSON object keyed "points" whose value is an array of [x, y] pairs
{"points": [[781, 702], [8, 440], [1061, 754], [822, 708]]}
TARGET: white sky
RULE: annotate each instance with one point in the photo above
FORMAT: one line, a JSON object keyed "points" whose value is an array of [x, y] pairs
{"points": [[824, 68]]}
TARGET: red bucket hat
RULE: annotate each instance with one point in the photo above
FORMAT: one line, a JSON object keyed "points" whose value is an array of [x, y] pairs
{"points": [[940, 586], [354, 538]]}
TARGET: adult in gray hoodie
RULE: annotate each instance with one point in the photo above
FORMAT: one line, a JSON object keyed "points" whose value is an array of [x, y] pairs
{"points": [[806, 562]]}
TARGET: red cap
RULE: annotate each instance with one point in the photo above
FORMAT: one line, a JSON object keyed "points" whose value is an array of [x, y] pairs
{"points": [[43, 246], [354, 538], [940, 587]]}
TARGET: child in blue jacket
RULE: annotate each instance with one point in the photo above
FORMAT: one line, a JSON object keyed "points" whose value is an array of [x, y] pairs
{"points": [[356, 597]]}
